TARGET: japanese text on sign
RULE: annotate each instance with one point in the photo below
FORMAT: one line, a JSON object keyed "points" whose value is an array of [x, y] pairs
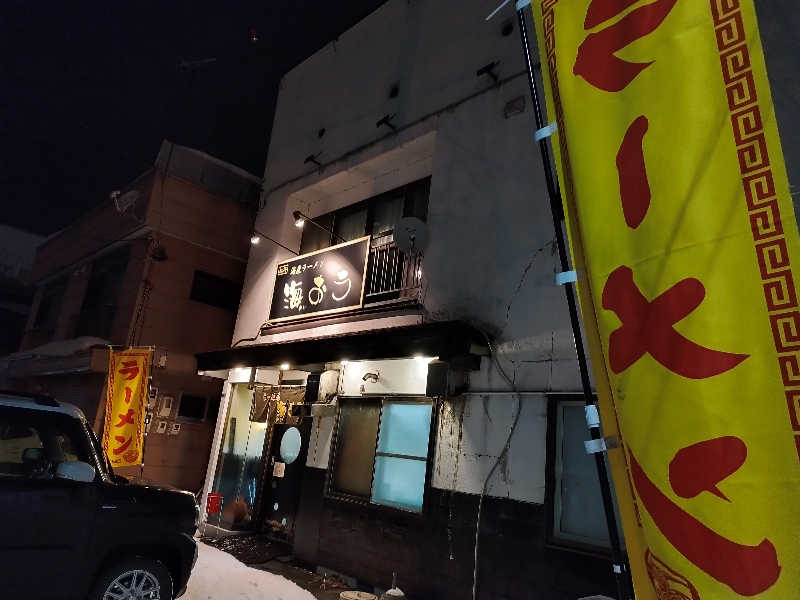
{"points": [[680, 216], [123, 434], [322, 282]]}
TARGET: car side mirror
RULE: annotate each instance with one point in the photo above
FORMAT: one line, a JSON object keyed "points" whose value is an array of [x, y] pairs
{"points": [[75, 471]]}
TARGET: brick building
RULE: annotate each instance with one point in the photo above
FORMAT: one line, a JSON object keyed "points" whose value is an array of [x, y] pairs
{"points": [[161, 264]]}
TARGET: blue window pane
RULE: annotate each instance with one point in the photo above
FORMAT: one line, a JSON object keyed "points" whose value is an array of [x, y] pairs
{"points": [[399, 482], [405, 429]]}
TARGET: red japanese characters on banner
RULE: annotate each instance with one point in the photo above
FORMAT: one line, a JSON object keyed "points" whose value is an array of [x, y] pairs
{"points": [[682, 227], [128, 378]]}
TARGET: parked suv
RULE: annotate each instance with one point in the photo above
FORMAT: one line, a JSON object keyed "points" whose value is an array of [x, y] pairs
{"points": [[69, 527]]}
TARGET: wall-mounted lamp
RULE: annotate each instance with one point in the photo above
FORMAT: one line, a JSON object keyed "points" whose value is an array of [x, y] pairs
{"points": [[300, 220], [255, 239], [284, 366]]}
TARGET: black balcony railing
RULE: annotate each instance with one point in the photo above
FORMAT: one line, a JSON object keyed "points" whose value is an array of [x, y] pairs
{"points": [[392, 274]]}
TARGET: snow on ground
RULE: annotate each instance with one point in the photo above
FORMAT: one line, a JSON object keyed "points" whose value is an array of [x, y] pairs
{"points": [[219, 576]]}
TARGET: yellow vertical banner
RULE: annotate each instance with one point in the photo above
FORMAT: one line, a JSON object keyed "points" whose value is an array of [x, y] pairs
{"points": [[123, 433], [683, 232]]}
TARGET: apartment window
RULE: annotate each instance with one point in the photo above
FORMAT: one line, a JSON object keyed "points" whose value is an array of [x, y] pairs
{"points": [[381, 451], [578, 518], [375, 216], [192, 407], [102, 294], [215, 291], [50, 304]]}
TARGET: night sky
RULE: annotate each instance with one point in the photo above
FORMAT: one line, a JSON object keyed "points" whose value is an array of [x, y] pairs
{"points": [[89, 90]]}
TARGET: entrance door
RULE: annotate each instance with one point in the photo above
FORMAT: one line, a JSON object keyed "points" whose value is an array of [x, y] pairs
{"points": [[287, 459]]}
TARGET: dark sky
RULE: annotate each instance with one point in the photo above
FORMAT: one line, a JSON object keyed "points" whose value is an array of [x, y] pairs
{"points": [[89, 90]]}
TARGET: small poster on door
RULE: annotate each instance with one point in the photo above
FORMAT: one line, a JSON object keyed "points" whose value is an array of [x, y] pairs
{"points": [[279, 469]]}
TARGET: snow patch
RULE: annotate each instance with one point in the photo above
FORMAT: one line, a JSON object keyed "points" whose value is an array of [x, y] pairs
{"points": [[218, 575]]}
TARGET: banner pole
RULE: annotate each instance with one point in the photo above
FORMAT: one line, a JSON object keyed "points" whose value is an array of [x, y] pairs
{"points": [[620, 567]]}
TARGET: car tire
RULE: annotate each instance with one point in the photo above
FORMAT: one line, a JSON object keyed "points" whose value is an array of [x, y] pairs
{"points": [[155, 576]]}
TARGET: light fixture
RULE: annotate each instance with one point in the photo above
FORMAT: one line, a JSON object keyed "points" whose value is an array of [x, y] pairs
{"points": [[300, 219], [255, 238], [284, 366], [344, 361]]}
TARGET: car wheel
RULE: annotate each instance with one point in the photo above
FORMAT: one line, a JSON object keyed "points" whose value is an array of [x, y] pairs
{"points": [[134, 579]]}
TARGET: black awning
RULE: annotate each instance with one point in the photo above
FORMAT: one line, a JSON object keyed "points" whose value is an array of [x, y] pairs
{"points": [[449, 340]]}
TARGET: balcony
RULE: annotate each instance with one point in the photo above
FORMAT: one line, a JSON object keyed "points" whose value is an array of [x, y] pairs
{"points": [[393, 276]]}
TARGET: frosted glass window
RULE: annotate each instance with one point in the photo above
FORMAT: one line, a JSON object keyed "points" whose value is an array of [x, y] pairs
{"points": [[579, 514], [401, 460], [381, 452], [399, 482], [405, 429]]}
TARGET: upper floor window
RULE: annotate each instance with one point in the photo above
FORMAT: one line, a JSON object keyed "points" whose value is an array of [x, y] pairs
{"points": [[216, 291], [50, 303], [375, 216], [103, 294]]}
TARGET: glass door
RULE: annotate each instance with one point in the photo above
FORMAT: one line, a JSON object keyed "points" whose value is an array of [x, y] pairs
{"points": [[241, 463]]}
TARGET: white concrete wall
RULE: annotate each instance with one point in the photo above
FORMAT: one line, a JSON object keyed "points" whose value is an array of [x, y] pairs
{"points": [[489, 259], [400, 376], [472, 432]]}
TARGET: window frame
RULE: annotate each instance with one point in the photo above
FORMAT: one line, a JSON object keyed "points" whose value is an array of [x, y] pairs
{"points": [[369, 205], [54, 293], [366, 501], [180, 417], [553, 538], [211, 279]]}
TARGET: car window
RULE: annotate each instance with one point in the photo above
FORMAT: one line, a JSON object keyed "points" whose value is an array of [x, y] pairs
{"points": [[15, 439], [33, 443]]}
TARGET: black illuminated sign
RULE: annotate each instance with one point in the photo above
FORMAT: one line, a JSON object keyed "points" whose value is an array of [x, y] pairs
{"points": [[320, 283]]}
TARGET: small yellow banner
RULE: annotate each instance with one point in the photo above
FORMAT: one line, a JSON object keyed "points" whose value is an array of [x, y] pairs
{"points": [[682, 228], [123, 434]]}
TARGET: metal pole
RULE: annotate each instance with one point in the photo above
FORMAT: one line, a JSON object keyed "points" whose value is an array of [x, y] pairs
{"points": [[624, 589]]}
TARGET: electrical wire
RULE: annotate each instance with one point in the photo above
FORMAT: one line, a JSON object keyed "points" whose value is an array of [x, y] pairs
{"points": [[500, 458], [250, 339]]}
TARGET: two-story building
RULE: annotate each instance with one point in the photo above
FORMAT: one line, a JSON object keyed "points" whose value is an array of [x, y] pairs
{"points": [[159, 264], [418, 352]]}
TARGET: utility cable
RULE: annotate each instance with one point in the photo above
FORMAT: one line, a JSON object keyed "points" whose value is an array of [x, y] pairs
{"points": [[500, 458]]}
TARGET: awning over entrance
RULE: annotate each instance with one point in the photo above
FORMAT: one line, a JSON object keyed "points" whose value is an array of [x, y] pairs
{"points": [[453, 341]]}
